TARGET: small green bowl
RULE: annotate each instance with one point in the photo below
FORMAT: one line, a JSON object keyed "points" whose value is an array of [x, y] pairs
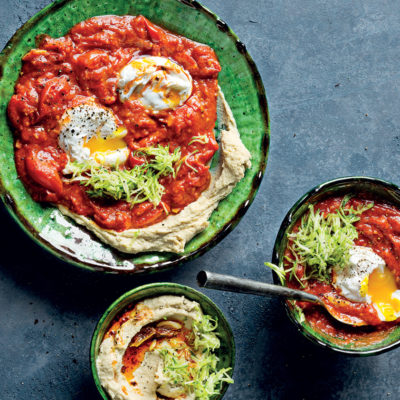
{"points": [[226, 352], [385, 191]]}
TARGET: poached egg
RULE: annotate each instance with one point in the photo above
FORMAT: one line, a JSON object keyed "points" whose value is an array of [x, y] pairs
{"points": [[91, 133], [158, 83], [367, 279]]}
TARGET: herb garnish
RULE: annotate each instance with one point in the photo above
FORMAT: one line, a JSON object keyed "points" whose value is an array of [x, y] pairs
{"points": [[321, 242], [136, 185], [199, 375], [203, 139]]}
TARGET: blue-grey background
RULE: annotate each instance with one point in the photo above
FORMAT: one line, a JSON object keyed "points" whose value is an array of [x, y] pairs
{"points": [[331, 70]]}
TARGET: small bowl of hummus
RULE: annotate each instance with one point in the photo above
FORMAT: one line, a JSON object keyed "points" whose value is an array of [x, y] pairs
{"points": [[162, 341]]}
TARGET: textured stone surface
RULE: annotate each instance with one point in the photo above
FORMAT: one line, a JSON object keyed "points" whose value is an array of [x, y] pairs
{"points": [[331, 73]]}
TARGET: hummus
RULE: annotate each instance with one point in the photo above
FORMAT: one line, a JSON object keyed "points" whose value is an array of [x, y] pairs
{"points": [[175, 231], [131, 361]]}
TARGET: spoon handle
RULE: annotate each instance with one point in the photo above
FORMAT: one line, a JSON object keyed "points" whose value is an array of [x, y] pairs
{"points": [[211, 280]]}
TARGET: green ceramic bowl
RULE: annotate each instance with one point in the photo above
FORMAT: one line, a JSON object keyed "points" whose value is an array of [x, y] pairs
{"points": [[388, 192], [240, 82], [226, 352]]}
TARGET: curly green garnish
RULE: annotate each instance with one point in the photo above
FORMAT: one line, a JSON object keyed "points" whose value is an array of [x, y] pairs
{"points": [[136, 185], [279, 270], [203, 139], [200, 375], [321, 242]]}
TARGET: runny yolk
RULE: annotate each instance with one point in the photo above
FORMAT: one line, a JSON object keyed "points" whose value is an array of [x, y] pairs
{"points": [[98, 144], [381, 286]]}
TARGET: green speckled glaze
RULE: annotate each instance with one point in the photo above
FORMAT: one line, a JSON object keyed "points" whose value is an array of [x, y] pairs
{"points": [[386, 191], [226, 352], [239, 80]]}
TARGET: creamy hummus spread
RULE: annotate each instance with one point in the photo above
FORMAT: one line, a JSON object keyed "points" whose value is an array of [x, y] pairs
{"points": [[171, 234], [130, 363]]}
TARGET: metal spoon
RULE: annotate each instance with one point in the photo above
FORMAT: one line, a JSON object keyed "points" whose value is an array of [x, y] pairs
{"points": [[211, 280]]}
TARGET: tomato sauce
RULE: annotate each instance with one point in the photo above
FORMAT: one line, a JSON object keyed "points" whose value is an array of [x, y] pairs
{"points": [[379, 229], [85, 63]]}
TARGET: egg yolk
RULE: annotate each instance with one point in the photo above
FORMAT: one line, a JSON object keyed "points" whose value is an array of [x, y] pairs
{"points": [[381, 286], [97, 144]]}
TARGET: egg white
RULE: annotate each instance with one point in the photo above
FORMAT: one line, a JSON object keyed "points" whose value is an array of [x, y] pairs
{"points": [[352, 279], [89, 126], [353, 282], [157, 82]]}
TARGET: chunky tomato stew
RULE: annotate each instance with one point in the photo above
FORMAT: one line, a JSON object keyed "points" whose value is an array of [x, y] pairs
{"points": [[361, 293], [83, 66]]}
